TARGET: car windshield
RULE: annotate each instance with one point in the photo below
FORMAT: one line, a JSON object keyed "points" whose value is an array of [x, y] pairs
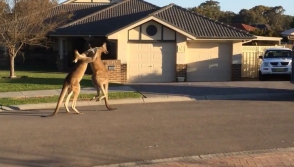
{"points": [[277, 53]]}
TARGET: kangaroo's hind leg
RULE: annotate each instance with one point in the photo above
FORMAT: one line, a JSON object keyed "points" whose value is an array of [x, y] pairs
{"points": [[76, 92], [67, 100], [97, 87]]}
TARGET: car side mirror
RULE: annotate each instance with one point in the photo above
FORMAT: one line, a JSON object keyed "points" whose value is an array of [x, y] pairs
{"points": [[260, 57]]}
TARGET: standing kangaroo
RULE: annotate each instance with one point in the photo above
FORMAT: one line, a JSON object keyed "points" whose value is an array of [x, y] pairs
{"points": [[72, 80], [99, 77]]}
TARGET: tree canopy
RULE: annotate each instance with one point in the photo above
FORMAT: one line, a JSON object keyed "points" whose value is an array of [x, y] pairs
{"points": [[272, 15], [27, 22]]}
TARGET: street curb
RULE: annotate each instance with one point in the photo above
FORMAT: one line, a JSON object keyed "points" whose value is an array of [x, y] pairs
{"points": [[150, 100], [196, 157], [79, 104]]}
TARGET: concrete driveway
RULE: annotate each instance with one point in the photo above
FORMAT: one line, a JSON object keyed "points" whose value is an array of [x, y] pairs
{"points": [[191, 89]]}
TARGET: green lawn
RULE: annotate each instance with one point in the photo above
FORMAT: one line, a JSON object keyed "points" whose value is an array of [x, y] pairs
{"points": [[42, 80], [37, 80]]}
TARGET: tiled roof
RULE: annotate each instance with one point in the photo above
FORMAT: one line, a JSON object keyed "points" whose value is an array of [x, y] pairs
{"points": [[242, 26], [261, 26], [109, 19], [288, 32], [79, 10], [198, 25], [76, 1], [125, 13], [67, 1]]}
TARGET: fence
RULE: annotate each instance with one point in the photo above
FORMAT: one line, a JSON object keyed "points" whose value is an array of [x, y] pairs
{"points": [[251, 61]]}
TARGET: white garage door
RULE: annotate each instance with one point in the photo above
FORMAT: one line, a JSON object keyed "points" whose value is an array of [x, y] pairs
{"points": [[209, 61], [151, 62]]}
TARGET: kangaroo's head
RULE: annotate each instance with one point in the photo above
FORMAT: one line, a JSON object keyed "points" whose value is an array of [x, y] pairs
{"points": [[104, 48], [101, 49]]}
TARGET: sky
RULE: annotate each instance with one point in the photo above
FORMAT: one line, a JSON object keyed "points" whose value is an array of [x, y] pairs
{"points": [[230, 5]]}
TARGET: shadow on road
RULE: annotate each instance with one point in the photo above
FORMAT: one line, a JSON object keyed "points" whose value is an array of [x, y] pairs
{"points": [[23, 113], [63, 157], [44, 113], [29, 162], [33, 113], [272, 91]]}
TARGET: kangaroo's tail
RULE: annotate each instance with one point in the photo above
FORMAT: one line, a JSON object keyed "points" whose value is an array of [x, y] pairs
{"points": [[106, 104], [61, 97]]}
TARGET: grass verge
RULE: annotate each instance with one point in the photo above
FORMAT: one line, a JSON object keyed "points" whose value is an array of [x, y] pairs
{"points": [[38, 80], [54, 99]]}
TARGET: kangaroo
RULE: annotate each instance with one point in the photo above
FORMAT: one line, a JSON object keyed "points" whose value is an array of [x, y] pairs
{"points": [[99, 77], [72, 80]]}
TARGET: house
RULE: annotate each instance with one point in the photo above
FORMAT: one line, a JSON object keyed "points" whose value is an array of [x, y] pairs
{"points": [[263, 41], [289, 34], [259, 40], [243, 27], [261, 26], [148, 43]]}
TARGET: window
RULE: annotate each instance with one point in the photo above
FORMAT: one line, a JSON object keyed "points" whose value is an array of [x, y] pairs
{"points": [[151, 30], [277, 53]]}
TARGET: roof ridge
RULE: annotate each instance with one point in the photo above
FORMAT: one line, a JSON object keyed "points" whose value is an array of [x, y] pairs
{"points": [[67, 1], [205, 17], [162, 9], [88, 16], [149, 3], [107, 8], [82, 3]]}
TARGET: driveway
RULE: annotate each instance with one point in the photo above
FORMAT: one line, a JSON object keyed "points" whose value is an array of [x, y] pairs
{"points": [[212, 88]]}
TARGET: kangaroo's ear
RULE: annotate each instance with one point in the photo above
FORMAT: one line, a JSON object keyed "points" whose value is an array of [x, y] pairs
{"points": [[76, 51]]}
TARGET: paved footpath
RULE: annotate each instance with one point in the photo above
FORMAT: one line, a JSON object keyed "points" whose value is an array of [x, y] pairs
{"points": [[261, 158], [273, 159]]}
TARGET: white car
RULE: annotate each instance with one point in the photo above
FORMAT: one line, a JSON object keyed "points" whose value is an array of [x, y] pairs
{"points": [[275, 61]]}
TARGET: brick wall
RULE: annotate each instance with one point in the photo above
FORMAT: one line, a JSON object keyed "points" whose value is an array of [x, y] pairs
{"points": [[181, 71], [236, 72], [117, 72], [114, 70], [123, 73]]}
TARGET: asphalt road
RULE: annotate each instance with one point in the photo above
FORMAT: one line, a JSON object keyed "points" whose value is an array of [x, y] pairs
{"points": [[143, 132], [191, 89]]}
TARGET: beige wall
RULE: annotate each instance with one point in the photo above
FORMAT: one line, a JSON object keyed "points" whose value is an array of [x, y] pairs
{"points": [[181, 49], [122, 39], [122, 47], [134, 34], [157, 36], [181, 41], [168, 34], [237, 52]]}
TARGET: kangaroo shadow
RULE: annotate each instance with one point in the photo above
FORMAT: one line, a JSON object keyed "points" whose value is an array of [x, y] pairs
{"points": [[36, 113]]}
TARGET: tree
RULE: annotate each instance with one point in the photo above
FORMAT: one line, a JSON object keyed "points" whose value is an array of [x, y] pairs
{"points": [[27, 22], [274, 17], [269, 33], [286, 22], [292, 23], [227, 17], [254, 15], [209, 9]]}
